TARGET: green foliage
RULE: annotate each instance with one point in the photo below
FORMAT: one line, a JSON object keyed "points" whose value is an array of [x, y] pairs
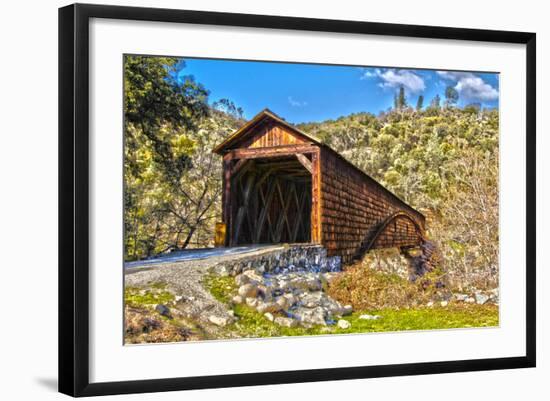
{"points": [[451, 96], [400, 100], [442, 161], [420, 103], [172, 185], [436, 103]]}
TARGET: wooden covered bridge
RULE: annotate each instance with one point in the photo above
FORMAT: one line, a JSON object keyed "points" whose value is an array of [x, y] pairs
{"points": [[281, 185]]}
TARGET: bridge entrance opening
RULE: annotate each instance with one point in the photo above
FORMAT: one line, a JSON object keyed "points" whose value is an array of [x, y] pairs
{"points": [[270, 201]]}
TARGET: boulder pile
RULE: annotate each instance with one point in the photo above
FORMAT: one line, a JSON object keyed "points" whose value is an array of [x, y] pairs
{"points": [[290, 299]]}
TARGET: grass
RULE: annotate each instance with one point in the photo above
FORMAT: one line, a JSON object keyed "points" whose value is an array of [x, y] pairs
{"points": [[251, 323], [367, 288], [155, 295]]}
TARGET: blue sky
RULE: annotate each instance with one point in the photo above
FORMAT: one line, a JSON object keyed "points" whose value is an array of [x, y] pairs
{"points": [[311, 92]]}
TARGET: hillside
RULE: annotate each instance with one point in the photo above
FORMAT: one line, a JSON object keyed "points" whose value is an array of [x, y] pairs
{"points": [[443, 161]]}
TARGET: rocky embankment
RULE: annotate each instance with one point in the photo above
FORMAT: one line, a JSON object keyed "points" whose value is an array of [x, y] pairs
{"points": [[290, 299], [286, 286]]}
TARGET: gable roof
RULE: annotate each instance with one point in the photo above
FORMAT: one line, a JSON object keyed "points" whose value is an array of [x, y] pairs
{"points": [[248, 128]]}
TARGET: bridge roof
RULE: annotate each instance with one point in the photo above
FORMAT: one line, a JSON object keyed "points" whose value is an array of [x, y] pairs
{"points": [[248, 129]]}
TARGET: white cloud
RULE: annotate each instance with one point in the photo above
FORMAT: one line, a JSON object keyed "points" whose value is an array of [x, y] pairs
{"points": [[470, 86], [369, 73], [394, 78], [296, 103], [454, 75]]}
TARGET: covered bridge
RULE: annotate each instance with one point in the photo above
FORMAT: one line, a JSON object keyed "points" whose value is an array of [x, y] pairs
{"points": [[283, 185]]}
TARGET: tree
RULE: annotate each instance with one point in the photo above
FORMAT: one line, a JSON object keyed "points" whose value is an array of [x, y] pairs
{"points": [[420, 103], [163, 112], [401, 100], [436, 103], [228, 106], [451, 96]]}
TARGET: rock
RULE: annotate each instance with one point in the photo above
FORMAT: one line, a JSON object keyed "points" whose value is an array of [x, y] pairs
{"points": [[252, 302], [237, 299], [460, 297], [291, 299], [347, 310], [285, 321], [311, 316], [333, 307], [283, 303], [444, 303], [481, 298], [314, 284], [311, 300], [248, 290], [370, 317], [253, 276], [221, 270], [266, 307], [284, 285], [430, 304], [298, 283], [178, 298], [264, 291], [220, 320], [344, 324], [470, 300], [163, 310], [269, 316], [241, 279]]}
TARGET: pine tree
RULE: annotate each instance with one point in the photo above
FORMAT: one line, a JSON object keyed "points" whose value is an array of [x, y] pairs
{"points": [[436, 102], [401, 99], [420, 103]]}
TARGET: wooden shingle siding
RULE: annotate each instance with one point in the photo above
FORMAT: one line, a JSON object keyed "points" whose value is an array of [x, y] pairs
{"points": [[353, 206]]}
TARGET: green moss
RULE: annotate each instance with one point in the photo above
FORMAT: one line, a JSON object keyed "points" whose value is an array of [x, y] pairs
{"points": [[251, 323], [222, 288], [151, 296]]}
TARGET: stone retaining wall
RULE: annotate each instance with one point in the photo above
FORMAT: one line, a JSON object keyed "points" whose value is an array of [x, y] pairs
{"points": [[288, 258]]}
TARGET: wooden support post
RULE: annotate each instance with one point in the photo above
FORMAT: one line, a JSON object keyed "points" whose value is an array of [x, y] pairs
{"points": [[226, 199], [244, 207], [316, 236]]}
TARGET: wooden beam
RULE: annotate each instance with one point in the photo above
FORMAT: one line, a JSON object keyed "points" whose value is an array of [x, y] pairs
{"points": [[238, 166], [265, 210], [273, 151], [283, 218], [304, 161], [241, 169]]}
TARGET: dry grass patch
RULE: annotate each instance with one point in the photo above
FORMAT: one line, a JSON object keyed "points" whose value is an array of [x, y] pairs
{"points": [[366, 288]]}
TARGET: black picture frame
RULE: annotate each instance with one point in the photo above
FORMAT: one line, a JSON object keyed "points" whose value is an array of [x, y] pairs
{"points": [[74, 198]]}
